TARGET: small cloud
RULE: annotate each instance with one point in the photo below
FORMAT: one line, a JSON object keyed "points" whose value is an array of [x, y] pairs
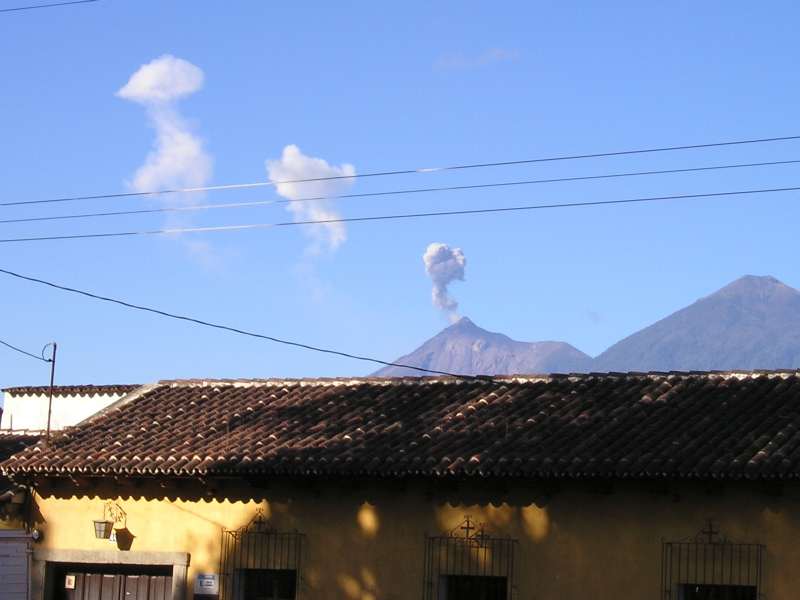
{"points": [[459, 61], [444, 265], [319, 291], [594, 317], [163, 80], [203, 254], [294, 169]]}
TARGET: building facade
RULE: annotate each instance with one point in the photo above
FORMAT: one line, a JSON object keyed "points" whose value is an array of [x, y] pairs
{"points": [[661, 486]]}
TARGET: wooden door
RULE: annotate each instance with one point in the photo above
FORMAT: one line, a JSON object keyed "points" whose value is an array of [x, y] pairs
{"points": [[14, 568], [97, 586]]}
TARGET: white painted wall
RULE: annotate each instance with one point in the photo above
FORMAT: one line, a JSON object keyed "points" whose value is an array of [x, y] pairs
{"points": [[29, 412]]}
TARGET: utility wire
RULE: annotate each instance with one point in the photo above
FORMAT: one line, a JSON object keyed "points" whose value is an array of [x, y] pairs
{"points": [[405, 216], [409, 171], [2, 10], [7, 345], [392, 193], [226, 328]]}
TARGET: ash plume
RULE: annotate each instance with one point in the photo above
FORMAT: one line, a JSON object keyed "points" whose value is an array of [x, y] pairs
{"points": [[444, 265]]}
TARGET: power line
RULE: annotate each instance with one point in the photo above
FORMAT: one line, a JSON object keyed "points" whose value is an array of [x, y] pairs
{"points": [[7, 345], [402, 216], [410, 171], [393, 192], [225, 327], [2, 10]]}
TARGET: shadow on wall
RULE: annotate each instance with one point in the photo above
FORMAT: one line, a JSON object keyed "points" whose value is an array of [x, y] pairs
{"points": [[124, 538]]}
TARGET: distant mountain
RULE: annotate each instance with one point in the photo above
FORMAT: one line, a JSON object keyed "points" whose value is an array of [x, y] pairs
{"points": [[466, 349], [753, 323]]}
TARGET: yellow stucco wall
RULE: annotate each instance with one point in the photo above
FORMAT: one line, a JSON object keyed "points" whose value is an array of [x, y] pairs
{"points": [[368, 543], [11, 522]]}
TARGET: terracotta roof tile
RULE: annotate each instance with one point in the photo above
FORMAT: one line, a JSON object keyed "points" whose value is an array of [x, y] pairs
{"points": [[672, 425], [10, 444]]}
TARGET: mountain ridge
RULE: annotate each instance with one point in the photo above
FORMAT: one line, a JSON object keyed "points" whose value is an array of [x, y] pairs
{"points": [[751, 323], [466, 349]]}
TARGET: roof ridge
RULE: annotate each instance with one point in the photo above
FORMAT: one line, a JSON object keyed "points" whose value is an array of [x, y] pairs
{"points": [[320, 381], [406, 380], [72, 390]]}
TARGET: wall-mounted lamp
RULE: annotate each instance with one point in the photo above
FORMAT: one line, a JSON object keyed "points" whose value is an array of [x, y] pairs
{"points": [[112, 514], [103, 529]]}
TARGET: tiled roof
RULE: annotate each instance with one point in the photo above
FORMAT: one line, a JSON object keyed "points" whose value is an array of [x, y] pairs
{"points": [[9, 444], [72, 390], [727, 426]]}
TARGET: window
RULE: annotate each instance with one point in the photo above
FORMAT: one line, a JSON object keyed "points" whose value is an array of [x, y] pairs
{"points": [[708, 591], [264, 584], [472, 587], [259, 562], [710, 566], [467, 563]]}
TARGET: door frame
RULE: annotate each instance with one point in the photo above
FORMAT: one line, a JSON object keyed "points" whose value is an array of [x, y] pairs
{"points": [[42, 578]]}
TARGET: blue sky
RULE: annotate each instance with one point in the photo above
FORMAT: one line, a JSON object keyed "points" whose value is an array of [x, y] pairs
{"points": [[354, 87]]}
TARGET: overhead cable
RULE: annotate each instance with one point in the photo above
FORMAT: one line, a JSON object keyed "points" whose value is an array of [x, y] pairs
{"points": [[391, 192], [411, 171], [394, 217], [227, 328], [7, 345], [2, 10]]}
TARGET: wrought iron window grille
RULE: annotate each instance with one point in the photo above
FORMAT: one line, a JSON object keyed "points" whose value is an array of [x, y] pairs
{"points": [[711, 566], [469, 562], [260, 560]]}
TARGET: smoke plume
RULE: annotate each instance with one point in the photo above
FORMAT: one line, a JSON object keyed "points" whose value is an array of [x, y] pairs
{"points": [[178, 159], [444, 265], [294, 166]]}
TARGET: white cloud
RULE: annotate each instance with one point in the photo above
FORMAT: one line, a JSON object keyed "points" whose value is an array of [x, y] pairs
{"points": [[163, 80], [295, 166], [178, 159], [444, 265], [459, 61]]}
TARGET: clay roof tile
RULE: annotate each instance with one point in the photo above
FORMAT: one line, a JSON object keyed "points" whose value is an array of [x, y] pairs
{"points": [[602, 425]]}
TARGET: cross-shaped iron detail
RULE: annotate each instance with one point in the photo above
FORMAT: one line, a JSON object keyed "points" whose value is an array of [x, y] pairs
{"points": [[258, 524], [709, 531], [466, 527], [481, 537], [471, 530]]}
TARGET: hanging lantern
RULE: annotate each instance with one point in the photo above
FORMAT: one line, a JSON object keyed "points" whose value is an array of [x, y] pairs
{"points": [[103, 529], [112, 515]]}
